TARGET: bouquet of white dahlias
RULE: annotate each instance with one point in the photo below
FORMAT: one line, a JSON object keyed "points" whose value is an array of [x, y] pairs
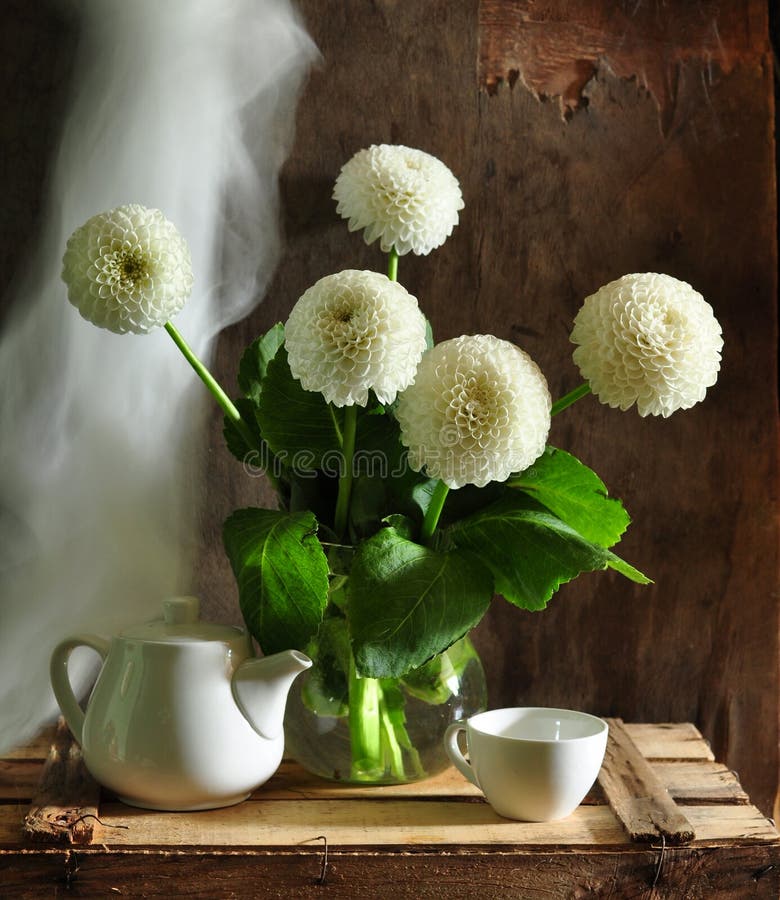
{"points": [[414, 478]]}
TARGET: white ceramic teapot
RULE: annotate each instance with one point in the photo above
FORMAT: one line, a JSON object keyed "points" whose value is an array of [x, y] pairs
{"points": [[182, 715]]}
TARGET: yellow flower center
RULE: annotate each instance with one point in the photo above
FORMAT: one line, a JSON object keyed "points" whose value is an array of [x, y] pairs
{"points": [[344, 314], [132, 266]]}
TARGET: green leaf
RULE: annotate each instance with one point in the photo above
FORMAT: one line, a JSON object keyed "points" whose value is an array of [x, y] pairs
{"points": [[299, 426], [282, 575], [384, 482], [326, 689], [531, 552], [433, 682], [403, 525], [235, 440], [251, 372], [422, 493], [254, 362], [407, 602], [576, 494], [257, 459]]}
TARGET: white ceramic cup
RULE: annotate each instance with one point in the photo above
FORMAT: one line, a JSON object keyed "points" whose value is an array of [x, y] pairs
{"points": [[531, 763]]}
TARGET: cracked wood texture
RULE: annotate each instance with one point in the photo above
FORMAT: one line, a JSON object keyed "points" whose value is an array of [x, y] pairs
{"points": [[637, 795], [434, 838], [64, 806], [647, 147]]}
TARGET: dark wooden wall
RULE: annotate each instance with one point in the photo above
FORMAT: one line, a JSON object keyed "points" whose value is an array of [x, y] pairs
{"points": [[663, 161], [591, 139]]}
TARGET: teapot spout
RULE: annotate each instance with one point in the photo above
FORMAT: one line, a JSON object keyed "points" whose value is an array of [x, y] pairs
{"points": [[260, 688]]}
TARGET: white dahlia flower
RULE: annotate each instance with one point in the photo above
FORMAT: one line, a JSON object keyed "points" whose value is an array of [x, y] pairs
{"points": [[128, 269], [353, 332], [406, 198], [479, 409], [647, 339]]}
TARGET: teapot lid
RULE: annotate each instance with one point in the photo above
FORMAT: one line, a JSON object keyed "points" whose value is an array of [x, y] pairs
{"points": [[181, 623]]}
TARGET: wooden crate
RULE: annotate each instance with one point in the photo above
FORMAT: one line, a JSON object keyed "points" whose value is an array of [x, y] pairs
{"points": [[302, 837]]}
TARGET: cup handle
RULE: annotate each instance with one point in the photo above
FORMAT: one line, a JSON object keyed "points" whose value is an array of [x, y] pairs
{"points": [[60, 681], [453, 751]]}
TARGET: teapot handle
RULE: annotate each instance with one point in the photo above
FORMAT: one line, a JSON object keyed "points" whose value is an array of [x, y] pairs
{"points": [[60, 681]]}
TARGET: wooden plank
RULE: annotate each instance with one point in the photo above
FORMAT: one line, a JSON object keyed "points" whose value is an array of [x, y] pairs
{"points": [[19, 779], [693, 874], [366, 824], [724, 824], [292, 781], [672, 740], [361, 823], [701, 781], [65, 805], [636, 795], [37, 748], [445, 812], [690, 873]]}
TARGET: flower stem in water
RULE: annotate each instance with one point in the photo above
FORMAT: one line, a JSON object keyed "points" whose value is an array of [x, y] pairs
{"points": [[364, 727], [393, 754]]}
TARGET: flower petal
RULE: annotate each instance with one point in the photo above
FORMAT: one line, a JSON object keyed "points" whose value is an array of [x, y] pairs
{"points": [[406, 198], [647, 339], [353, 332], [127, 270], [479, 409]]}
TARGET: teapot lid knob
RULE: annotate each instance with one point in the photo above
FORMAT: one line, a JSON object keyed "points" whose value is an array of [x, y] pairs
{"points": [[181, 610]]}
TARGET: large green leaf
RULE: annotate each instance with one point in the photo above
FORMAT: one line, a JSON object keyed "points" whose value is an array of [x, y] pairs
{"points": [[408, 602], [235, 440], [256, 458], [299, 426], [254, 362], [282, 575], [326, 690], [251, 372], [434, 682], [384, 481], [576, 494], [531, 552]]}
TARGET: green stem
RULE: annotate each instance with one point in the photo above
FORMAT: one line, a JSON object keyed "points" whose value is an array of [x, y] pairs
{"points": [[392, 264], [393, 754], [433, 512], [228, 407], [572, 397], [364, 726], [345, 479]]}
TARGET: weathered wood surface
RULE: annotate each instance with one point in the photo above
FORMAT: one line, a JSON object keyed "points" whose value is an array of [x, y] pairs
{"points": [[678, 178], [554, 209], [555, 47], [700, 782], [710, 874], [674, 741], [431, 839], [64, 806], [366, 824], [636, 794]]}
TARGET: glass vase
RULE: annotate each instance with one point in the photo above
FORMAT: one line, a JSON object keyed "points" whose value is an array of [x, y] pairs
{"points": [[356, 730]]}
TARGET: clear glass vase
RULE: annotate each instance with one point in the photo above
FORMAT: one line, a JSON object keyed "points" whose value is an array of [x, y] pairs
{"points": [[357, 730]]}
